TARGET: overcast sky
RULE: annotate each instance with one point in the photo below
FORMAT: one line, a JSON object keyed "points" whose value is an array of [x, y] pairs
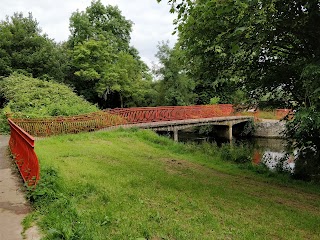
{"points": [[152, 21]]}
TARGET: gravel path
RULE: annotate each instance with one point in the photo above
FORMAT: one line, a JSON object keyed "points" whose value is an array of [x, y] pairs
{"points": [[13, 206]]}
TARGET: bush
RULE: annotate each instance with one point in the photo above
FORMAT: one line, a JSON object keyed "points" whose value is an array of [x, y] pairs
{"points": [[303, 134], [4, 126], [29, 97], [238, 154]]}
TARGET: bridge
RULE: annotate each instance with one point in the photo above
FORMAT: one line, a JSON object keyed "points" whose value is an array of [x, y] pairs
{"points": [[169, 118], [175, 126], [173, 119]]}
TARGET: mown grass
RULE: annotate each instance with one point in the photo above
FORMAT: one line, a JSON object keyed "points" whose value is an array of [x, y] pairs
{"points": [[136, 185]]}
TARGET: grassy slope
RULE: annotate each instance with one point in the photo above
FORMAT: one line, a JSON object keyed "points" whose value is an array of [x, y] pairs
{"points": [[129, 185]]}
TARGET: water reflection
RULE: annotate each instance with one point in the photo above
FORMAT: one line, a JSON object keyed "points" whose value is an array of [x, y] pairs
{"points": [[276, 160], [271, 152], [268, 151]]}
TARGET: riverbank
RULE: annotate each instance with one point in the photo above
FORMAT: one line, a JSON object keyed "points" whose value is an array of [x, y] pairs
{"points": [[134, 184]]}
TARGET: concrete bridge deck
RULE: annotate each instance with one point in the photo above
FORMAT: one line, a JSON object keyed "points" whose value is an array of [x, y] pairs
{"points": [[175, 126]]}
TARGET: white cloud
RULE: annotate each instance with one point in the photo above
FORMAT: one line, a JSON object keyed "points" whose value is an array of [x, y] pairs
{"points": [[152, 21]]}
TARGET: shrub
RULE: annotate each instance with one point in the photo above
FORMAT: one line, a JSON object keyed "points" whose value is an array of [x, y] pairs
{"points": [[303, 133], [237, 154], [28, 97], [4, 127]]}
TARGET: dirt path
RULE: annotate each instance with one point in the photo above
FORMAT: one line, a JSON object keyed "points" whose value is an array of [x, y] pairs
{"points": [[13, 206]]}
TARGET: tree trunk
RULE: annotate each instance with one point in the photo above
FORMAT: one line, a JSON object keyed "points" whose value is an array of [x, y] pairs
{"points": [[121, 100]]}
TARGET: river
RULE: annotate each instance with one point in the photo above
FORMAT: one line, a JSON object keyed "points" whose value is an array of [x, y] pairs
{"points": [[269, 151]]}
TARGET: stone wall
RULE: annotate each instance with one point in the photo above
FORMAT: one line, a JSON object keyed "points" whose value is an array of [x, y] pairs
{"points": [[269, 129]]}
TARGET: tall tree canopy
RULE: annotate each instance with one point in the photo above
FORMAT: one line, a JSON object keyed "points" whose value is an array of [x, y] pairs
{"points": [[264, 45], [100, 21], [174, 85], [105, 68], [23, 48]]}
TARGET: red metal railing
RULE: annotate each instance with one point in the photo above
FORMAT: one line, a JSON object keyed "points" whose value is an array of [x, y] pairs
{"points": [[22, 143], [44, 127], [281, 113], [158, 114], [119, 116], [22, 147]]}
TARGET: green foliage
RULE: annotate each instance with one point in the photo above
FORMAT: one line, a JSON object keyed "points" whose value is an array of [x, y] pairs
{"points": [[268, 49], [310, 77], [23, 48], [214, 100], [105, 69], [303, 134], [32, 98], [125, 77], [99, 20], [240, 97], [278, 98], [97, 58], [264, 46], [102, 71], [47, 188], [174, 86], [201, 26], [4, 126], [91, 59], [237, 154]]}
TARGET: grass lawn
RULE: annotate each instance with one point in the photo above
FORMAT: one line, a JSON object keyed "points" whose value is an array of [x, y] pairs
{"points": [[131, 184]]}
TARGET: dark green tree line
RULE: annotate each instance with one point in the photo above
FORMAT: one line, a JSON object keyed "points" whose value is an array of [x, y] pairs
{"points": [[25, 49], [264, 45], [97, 60]]}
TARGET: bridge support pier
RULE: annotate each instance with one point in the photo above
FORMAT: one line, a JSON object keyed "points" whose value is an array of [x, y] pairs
{"points": [[227, 131], [175, 135], [230, 132]]}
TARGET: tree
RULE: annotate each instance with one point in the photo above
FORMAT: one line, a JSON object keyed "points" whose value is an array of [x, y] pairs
{"points": [[23, 48], [124, 76], [201, 25], [271, 46], [90, 61], [174, 85], [265, 44], [105, 69], [99, 20]]}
